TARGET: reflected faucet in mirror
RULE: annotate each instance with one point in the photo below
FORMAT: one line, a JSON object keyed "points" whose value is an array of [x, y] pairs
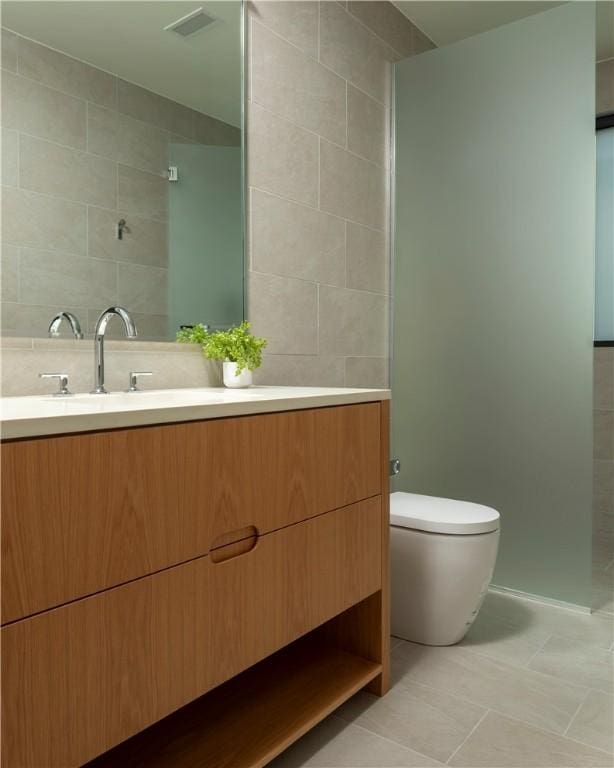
{"points": [[73, 321], [99, 333]]}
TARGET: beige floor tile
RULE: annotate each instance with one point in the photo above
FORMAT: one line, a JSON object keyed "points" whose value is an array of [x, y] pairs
{"points": [[594, 723], [504, 640], [429, 721], [591, 629], [573, 661], [499, 742], [530, 696], [335, 744]]}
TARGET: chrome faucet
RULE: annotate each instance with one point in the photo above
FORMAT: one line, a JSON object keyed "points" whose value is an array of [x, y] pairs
{"points": [[99, 332], [73, 321]]}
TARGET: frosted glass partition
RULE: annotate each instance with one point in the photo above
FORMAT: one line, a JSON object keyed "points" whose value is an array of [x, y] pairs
{"points": [[494, 293], [205, 237], [604, 261]]}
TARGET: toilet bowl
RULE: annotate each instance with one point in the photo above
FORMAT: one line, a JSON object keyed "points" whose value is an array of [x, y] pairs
{"points": [[442, 555]]}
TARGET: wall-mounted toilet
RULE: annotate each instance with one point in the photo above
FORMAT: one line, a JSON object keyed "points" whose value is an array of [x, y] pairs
{"points": [[442, 555]]}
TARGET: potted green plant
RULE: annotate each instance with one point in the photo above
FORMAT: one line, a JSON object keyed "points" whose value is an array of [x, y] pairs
{"points": [[238, 349]]}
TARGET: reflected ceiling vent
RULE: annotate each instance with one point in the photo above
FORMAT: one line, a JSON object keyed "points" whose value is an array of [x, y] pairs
{"points": [[190, 24]]}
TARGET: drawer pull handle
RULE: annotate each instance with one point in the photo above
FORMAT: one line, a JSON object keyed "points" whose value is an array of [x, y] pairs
{"points": [[233, 544]]}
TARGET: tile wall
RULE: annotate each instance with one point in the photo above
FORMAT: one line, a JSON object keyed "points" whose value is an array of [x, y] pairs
{"points": [[605, 86], [83, 149], [319, 102]]}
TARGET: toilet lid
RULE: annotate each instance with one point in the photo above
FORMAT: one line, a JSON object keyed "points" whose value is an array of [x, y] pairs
{"points": [[436, 515]]}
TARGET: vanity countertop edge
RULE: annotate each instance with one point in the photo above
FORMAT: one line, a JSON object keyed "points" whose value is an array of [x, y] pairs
{"points": [[36, 415]]}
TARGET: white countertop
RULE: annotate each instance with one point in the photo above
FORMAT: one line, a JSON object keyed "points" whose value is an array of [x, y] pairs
{"points": [[48, 415]]}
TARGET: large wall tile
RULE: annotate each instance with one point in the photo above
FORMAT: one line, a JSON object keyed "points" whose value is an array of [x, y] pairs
{"points": [[10, 157], [31, 320], [352, 187], [143, 289], [126, 140], [295, 20], [41, 111], [208, 130], [8, 48], [387, 22], [368, 128], [145, 241], [605, 86], [367, 259], [39, 221], [294, 240], [301, 371], [603, 380], [293, 85], [604, 434], [51, 277], [67, 173], [282, 158], [420, 43], [603, 486], [147, 106], [285, 312], [63, 73], [141, 193], [354, 53], [367, 372], [9, 272], [352, 322], [149, 327]]}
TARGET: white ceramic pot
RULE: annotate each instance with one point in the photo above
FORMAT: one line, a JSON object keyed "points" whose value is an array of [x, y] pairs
{"points": [[244, 379]]}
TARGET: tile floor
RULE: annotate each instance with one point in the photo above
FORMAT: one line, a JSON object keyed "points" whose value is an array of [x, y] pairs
{"points": [[531, 686]]}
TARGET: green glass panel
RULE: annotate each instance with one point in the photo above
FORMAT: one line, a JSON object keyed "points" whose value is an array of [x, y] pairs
{"points": [[493, 295], [205, 237]]}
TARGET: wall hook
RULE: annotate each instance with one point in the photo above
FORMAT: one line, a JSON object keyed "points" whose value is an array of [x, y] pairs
{"points": [[121, 227]]}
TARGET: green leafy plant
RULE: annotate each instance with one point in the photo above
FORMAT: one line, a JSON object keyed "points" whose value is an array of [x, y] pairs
{"points": [[236, 345]]}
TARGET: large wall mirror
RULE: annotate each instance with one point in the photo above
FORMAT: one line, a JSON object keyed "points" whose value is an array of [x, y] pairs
{"points": [[122, 164]]}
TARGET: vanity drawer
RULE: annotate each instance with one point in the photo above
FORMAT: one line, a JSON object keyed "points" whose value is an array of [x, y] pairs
{"points": [[82, 513], [81, 678]]}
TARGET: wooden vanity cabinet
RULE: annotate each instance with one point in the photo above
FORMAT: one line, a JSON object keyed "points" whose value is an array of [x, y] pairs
{"points": [[144, 568]]}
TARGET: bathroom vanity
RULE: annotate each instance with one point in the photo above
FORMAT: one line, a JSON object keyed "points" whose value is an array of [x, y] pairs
{"points": [[189, 582]]}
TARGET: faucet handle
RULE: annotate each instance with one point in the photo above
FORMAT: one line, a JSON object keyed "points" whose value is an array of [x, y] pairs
{"points": [[132, 379], [62, 381]]}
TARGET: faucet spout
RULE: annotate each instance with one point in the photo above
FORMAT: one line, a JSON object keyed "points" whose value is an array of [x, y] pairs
{"points": [[99, 334]]}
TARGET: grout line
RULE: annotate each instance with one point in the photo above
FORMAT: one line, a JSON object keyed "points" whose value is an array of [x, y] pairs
{"points": [[468, 736], [318, 40], [347, 115], [384, 738], [377, 37], [575, 714], [317, 60], [539, 650], [314, 282], [310, 207], [319, 169], [345, 254], [311, 132]]}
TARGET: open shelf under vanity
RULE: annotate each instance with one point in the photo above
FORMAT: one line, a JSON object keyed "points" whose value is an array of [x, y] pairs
{"points": [[252, 718]]}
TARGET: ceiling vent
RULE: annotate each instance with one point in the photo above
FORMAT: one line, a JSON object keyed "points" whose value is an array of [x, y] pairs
{"points": [[190, 24]]}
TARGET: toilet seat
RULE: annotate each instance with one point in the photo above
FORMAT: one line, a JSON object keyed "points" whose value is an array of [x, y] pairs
{"points": [[436, 515]]}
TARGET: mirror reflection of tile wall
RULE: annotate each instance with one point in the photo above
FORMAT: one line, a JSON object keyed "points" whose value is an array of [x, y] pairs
{"points": [[81, 150]]}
